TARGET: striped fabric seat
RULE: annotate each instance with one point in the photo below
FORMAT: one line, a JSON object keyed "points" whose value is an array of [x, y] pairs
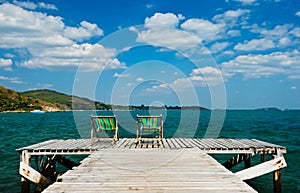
{"points": [[151, 125], [104, 124]]}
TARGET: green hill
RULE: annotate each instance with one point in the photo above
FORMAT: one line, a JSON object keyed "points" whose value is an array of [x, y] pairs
{"points": [[70, 102], [11, 100]]}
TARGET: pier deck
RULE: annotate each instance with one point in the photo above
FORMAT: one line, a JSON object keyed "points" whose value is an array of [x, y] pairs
{"points": [[87, 146], [170, 165], [149, 170]]}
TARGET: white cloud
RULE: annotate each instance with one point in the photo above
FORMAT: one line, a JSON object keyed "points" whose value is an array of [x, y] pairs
{"points": [[247, 2], [298, 14], [170, 38], [285, 41], [8, 55], [233, 33], [149, 5], [295, 32], [160, 20], [47, 6], [164, 30], [280, 36], [206, 76], [121, 75], [6, 64], [86, 30], [96, 57], [293, 77], [259, 65], [139, 79], [48, 45], [45, 85], [32, 6], [180, 17], [256, 44], [233, 17], [14, 80], [24, 4], [218, 46], [161, 31], [278, 31], [27, 28], [293, 88], [204, 29]]}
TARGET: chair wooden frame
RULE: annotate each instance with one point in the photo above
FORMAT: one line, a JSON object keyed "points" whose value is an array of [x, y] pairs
{"points": [[104, 124], [149, 124]]}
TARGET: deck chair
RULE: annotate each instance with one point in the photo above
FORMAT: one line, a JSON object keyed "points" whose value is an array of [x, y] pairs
{"points": [[150, 125], [104, 124]]}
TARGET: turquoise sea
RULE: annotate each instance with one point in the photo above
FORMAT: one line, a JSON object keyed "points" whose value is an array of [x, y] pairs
{"points": [[275, 126]]}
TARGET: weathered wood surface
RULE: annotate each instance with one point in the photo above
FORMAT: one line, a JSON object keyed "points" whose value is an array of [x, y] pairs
{"points": [[149, 170], [86, 146], [261, 169], [33, 175]]}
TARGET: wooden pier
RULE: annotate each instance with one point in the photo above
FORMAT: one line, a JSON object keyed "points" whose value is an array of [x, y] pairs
{"points": [[169, 165]]}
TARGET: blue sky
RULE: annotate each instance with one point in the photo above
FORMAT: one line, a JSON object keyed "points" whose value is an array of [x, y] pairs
{"points": [[235, 54]]}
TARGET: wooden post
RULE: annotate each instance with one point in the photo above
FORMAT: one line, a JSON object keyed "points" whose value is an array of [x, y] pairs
{"points": [[277, 182], [262, 157], [247, 161], [25, 183]]}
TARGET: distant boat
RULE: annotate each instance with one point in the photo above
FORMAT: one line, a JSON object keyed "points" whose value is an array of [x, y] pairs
{"points": [[37, 111]]}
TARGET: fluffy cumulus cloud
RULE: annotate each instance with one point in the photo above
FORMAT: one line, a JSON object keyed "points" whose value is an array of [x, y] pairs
{"points": [[86, 30], [49, 42], [176, 32], [161, 31], [204, 29], [259, 65], [160, 20]]}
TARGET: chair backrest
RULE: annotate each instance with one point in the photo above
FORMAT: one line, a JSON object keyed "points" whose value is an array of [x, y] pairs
{"points": [[149, 122], [104, 123]]}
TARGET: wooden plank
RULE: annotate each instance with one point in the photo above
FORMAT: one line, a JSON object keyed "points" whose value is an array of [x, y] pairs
{"points": [[150, 170], [175, 143], [35, 146], [77, 146], [34, 176], [261, 169]]}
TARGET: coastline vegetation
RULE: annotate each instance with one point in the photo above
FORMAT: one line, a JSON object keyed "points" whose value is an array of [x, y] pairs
{"points": [[52, 101]]}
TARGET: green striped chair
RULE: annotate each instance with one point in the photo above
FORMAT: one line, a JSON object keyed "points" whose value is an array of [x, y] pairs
{"points": [[150, 125], [104, 124]]}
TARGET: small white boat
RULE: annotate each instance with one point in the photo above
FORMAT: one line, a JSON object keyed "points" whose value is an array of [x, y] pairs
{"points": [[37, 111]]}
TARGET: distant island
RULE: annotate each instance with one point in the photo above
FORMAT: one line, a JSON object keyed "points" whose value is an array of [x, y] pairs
{"points": [[53, 101]]}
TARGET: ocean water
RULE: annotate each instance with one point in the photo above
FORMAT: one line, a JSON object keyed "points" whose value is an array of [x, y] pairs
{"points": [[279, 127]]}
